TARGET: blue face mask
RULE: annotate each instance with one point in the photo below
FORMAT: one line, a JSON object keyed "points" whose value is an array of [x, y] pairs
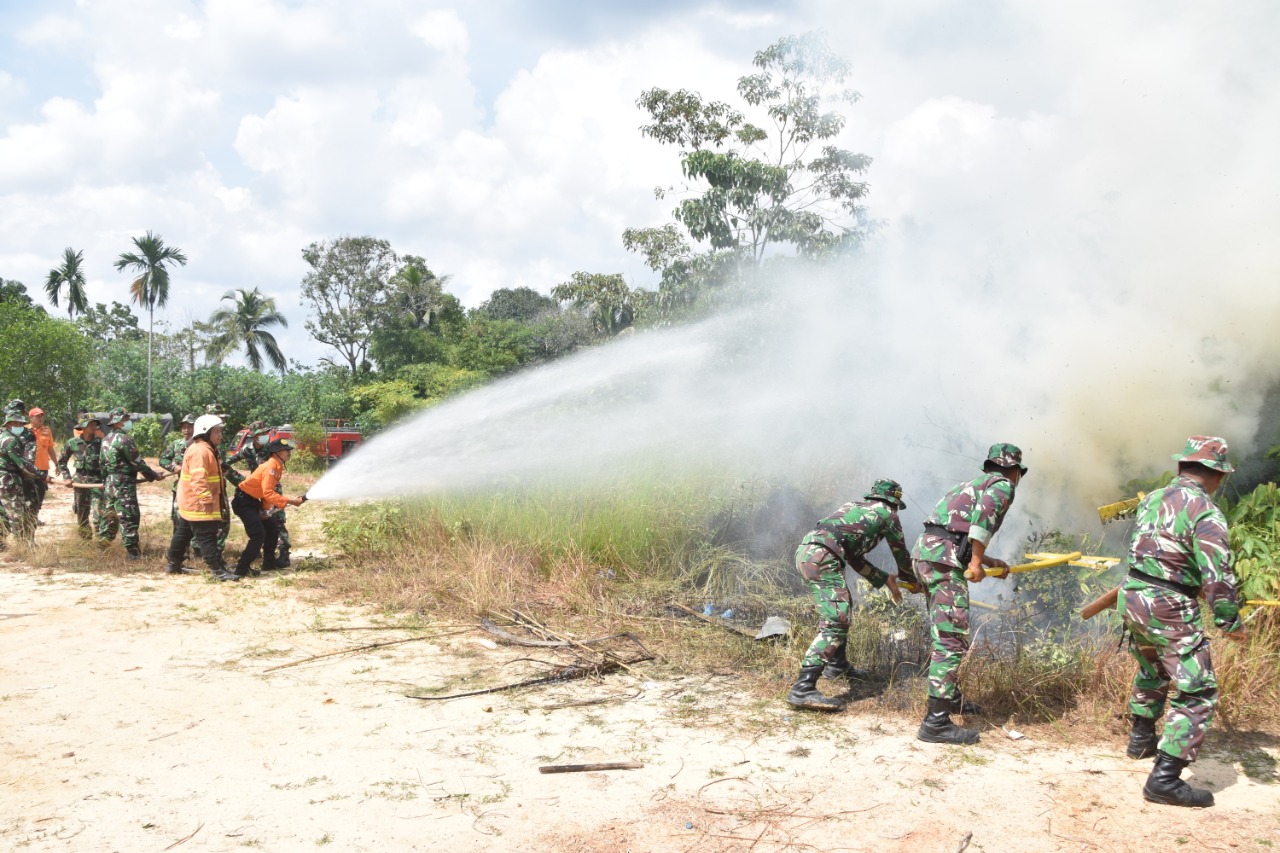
{"points": [[262, 440], [17, 430], [127, 426]]}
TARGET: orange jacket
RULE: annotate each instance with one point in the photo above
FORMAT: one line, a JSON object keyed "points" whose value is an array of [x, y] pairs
{"points": [[200, 483], [44, 447], [263, 482]]}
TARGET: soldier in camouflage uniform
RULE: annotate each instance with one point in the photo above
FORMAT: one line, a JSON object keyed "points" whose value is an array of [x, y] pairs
{"points": [[121, 466], [171, 460], [951, 553], [108, 522], [86, 450], [1180, 552], [27, 445], [843, 539], [15, 468]]}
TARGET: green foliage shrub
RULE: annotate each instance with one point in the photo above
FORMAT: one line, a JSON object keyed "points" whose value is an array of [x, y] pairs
{"points": [[147, 436], [372, 528], [1255, 542]]}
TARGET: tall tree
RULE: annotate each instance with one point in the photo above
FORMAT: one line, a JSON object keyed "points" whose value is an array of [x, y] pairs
{"points": [[782, 181], [69, 274], [347, 289], [611, 303], [244, 324], [522, 304], [414, 293], [151, 286]]}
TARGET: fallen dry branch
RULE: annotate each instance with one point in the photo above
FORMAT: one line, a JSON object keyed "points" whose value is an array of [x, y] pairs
{"points": [[590, 768], [188, 838], [719, 623], [512, 639], [608, 656], [364, 648], [568, 673], [582, 703]]}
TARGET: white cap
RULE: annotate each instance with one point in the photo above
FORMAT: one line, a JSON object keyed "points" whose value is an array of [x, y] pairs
{"points": [[204, 423]]}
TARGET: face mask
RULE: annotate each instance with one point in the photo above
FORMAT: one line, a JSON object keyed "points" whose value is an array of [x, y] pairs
{"points": [[127, 426], [17, 430], [262, 441]]}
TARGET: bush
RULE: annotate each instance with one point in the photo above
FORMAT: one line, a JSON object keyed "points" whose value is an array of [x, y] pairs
{"points": [[147, 436]]}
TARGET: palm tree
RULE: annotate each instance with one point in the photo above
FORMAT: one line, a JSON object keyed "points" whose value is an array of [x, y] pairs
{"points": [[151, 287], [244, 324], [71, 274]]}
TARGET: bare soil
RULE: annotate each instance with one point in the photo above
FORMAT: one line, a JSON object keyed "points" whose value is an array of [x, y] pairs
{"points": [[139, 713]]}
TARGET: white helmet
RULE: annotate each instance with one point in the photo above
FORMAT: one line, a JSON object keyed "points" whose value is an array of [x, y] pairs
{"points": [[204, 423]]}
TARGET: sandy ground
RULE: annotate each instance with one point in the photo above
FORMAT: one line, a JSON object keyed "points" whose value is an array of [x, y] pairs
{"points": [[139, 714]]}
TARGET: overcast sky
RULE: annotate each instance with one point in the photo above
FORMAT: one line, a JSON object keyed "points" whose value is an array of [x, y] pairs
{"points": [[498, 138]]}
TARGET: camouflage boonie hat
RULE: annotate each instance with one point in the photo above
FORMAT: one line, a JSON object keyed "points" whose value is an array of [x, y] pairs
{"points": [[1005, 455], [213, 409], [15, 404], [16, 416], [1207, 450], [888, 491], [117, 414], [257, 427], [86, 420], [188, 419]]}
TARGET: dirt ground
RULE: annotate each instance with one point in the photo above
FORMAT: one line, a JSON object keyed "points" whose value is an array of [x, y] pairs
{"points": [[140, 713]]}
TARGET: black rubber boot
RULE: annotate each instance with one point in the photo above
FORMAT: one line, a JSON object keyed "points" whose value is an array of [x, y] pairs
{"points": [[938, 728], [1142, 739], [171, 569], [805, 694], [1164, 786], [225, 575], [282, 560], [133, 554]]}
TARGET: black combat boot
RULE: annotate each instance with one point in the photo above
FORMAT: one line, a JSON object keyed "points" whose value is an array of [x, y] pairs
{"points": [[1164, 786], [1142, 739], [133, 554], [961, 705], [804, 693], [842, 669], [282, 559], [938, 728], [171, 569]]}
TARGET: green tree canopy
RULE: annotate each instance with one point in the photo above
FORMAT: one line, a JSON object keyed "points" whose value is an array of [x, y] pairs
{"points": [[68, 274], [43, 360], [610, 302], [105, 324], [522, 304], [150, 287], [347, 289], [244, 323]]}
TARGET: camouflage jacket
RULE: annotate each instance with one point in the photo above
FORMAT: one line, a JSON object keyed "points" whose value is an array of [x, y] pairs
{"points": [[248, 453], [88, 457], [171, 459], [120, 458], [1180, 535], [28, 442], [13, 459], [231, 475], [857, 527], [975, 509]]}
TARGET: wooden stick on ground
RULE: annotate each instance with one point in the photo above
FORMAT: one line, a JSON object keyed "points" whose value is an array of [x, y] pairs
{"points": [[589, 768], [719, 623], [345, 652], [609, 656]]}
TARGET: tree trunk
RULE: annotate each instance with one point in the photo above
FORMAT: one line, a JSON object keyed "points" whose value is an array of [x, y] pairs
{"points": [[151, 330]]}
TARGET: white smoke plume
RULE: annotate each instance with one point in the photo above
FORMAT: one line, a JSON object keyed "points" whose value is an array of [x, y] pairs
{"points": [[1092, 276]]}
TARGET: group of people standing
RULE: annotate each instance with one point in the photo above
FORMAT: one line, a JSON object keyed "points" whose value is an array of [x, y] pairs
{"points": [[1179, 554], [108, 467]]}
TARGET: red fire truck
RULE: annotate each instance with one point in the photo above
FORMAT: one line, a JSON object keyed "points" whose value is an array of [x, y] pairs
{"points": [[341, 437]]}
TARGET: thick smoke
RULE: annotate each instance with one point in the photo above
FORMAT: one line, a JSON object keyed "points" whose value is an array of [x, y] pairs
{"points": [[1091, 276]]}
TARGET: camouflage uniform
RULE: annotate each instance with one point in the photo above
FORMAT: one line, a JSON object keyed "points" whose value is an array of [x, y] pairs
{"points": [[15, 469], [1180, 538], [88, 459], [171, 461], [971, 511], [108, 522], [845, 538], [121, 465]]}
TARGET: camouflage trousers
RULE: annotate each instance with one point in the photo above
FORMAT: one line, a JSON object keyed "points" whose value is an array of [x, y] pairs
{"points": [[17, 519], [120, 498], [948, 604], [825, 576], [1174, 666], [86, 502], [108, 524]]}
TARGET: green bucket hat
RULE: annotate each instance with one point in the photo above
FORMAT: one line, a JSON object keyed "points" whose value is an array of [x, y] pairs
{"points": [[117, 415], [1207, 450], [16, 416], [1005, 455], [88, 419], [888, 491], [188, 419]]}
